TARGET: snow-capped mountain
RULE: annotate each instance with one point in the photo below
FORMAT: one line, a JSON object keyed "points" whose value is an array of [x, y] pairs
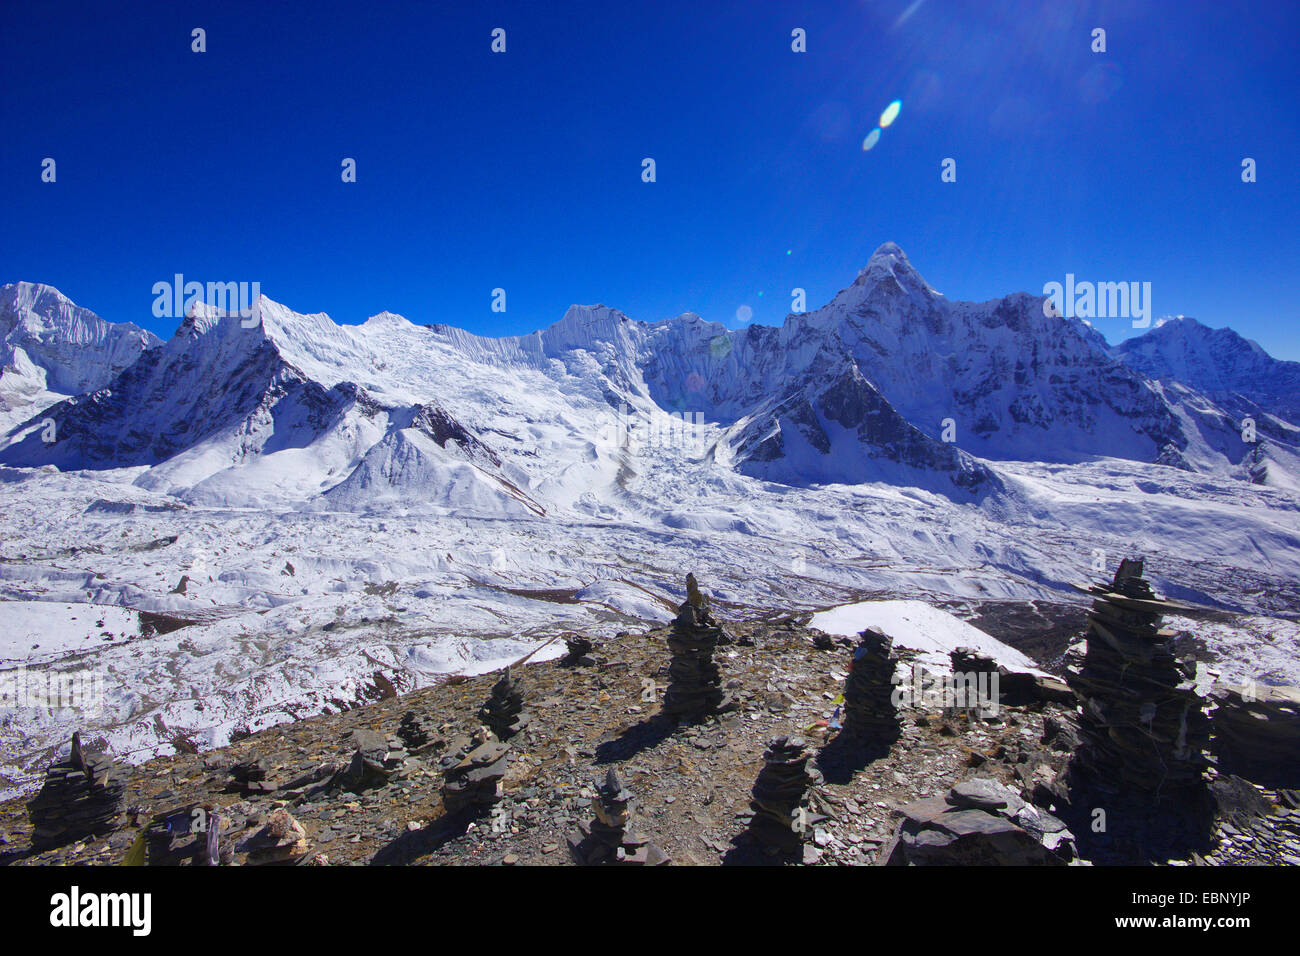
{"points": [[1218, 363], [888, 382], [317, 504], [51, 349]]}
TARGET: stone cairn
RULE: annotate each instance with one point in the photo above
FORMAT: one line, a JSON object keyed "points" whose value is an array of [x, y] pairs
{"points": [[282, 841], [417, 731], [577, 651], [606, 840], [250, 778], [375, 760], [504, 712], [780, 798], [694, 682], [82, 796], [472, 770], [1257, 732], [869, 712], [1143, 726]]}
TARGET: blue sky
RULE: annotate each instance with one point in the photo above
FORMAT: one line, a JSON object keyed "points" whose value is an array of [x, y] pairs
{"points": [[522, 170]]}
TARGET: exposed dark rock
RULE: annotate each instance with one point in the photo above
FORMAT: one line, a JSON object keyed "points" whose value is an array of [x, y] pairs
{"points": [[979, 822], [1257, 732]]}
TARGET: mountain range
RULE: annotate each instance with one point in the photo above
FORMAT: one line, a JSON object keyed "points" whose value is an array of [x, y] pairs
{"points": [[888, 382]]}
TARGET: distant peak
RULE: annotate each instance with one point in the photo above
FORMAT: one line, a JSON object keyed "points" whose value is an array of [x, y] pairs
{"points": [[889, 263], [889, 250], [591, 313], [386, 318]]}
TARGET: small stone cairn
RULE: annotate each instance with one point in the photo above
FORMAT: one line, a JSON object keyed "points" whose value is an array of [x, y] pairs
{"points": [[869, 712], [781, 818], [504, 712], [1144, 729], [472, 770], [607, 840]]}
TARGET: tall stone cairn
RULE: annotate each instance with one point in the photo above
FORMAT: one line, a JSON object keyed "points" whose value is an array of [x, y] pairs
{"points": [[780, 796], [504, 712], [869, 712], [82, 796], [1144, 727], [694, 682]]}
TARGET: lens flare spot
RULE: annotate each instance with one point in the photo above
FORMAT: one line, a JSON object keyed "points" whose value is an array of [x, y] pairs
{"points": [[890, 114], [872, 139], [744, 314]]}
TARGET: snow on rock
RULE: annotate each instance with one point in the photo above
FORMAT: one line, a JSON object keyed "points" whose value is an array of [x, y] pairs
{"points": [[920, 627]]}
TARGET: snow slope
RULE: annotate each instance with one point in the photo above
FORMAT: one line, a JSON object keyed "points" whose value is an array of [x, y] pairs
{"points": [[923, 628]]}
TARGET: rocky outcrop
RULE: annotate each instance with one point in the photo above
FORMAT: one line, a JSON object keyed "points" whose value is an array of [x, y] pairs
{"points": [[1257, 732], [979, 822]]}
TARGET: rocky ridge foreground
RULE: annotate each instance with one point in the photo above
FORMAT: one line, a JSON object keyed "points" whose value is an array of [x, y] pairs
{"points": [[369, 786]]}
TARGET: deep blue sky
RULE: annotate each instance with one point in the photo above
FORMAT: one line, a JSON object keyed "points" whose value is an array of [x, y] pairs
{"points": [[523, 170]]}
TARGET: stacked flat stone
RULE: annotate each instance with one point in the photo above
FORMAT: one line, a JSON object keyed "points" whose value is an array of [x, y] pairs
{"points": [[694, 681], [979, 822], [472, 771], [869, 711], [250, 778], [967, 660], [1257, 732], [82, 796], [577, 649], [1143, 725], [375, 759], [417, 731], [607, 840], [282, 841], [504, 712], [780, 796]]}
